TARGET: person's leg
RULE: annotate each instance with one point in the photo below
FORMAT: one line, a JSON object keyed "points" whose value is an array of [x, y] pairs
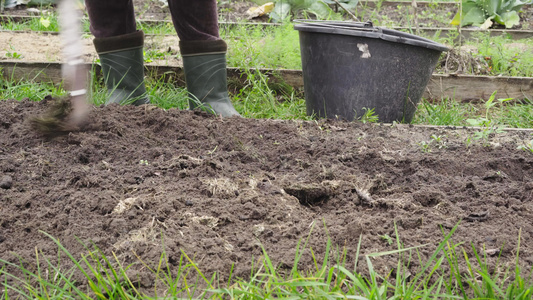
{"points": [[204, 54], [120, 48], [111, 17], [195, 20]]}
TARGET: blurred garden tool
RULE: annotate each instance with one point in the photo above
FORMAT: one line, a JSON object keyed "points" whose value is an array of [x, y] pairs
{"points": [[68, 114]]}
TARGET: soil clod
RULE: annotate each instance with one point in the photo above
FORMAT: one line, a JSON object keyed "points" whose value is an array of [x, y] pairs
{"points": [[6, 182], [308, 194], [481, 216]]}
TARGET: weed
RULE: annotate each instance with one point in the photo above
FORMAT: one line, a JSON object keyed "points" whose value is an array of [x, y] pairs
{"points": [[154, 54], [444, 112], [425, 146], [439, 140], [387, 239], [487, 130], [488, 126], [12, 53], [369, 116], [506, 57], [468, 141], [528, 146]]}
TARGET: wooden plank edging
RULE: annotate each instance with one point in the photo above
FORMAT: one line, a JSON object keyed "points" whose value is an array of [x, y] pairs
{"points": [[445, 32]]}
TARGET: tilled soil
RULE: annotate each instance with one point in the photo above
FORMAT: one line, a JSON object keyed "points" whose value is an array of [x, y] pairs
{"points": [[138, 181]]}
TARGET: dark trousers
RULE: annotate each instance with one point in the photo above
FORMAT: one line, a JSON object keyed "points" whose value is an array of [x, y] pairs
{"points": [[193, 19]]}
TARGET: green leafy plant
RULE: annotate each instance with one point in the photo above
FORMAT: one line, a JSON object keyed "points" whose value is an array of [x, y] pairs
{"points": [[319, 8], [484, 13], [488, 128]]}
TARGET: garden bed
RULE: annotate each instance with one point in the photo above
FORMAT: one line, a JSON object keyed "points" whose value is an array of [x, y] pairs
{"points": [[220, 189], [153, 188]]}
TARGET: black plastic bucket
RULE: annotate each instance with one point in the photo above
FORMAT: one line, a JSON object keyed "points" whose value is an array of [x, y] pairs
{"points": [[350, 66]]}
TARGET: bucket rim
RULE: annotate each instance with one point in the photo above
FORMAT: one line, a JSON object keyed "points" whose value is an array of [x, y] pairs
{"points": [[366, 29]]}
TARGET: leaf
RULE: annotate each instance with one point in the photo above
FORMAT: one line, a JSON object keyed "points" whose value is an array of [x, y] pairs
{"points": [[474, 122], [501, 11], [474, 16], [456, 19], [280, 12], [486, 25], [45, 22], [298, 4], [514, 5], [320, 9], [254, 12], [491, 7], [509, 19], [350, 5]]}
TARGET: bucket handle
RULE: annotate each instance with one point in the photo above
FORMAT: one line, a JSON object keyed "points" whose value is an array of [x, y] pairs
{"points": [[363, 26]]}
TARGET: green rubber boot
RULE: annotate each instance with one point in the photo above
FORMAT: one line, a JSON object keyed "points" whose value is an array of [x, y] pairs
{"points": [[122, 63], [204, 63]]}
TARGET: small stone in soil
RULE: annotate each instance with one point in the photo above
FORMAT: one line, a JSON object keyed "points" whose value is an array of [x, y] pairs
{"points": [[6, 182]]}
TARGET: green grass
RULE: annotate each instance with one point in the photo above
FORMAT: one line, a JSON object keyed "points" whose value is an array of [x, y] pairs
{"points": [[274, 47], [259, 99], [27, 89], [449, 112], [45, 23], [438, 276], [507, 57]]}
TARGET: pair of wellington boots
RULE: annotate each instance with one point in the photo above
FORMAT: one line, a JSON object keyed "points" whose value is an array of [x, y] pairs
{"points": [[204, 64]]}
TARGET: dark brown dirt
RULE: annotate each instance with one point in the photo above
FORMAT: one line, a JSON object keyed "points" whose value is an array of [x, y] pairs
{"points": [[140, 179]]}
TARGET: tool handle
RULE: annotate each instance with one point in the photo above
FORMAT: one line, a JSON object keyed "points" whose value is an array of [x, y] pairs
{"points": [[74, 71]]}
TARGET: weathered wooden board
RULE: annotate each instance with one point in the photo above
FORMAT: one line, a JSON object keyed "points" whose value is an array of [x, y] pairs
{"points": [[459, 87], [471, 88], [467, 33], [33, 71]]}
